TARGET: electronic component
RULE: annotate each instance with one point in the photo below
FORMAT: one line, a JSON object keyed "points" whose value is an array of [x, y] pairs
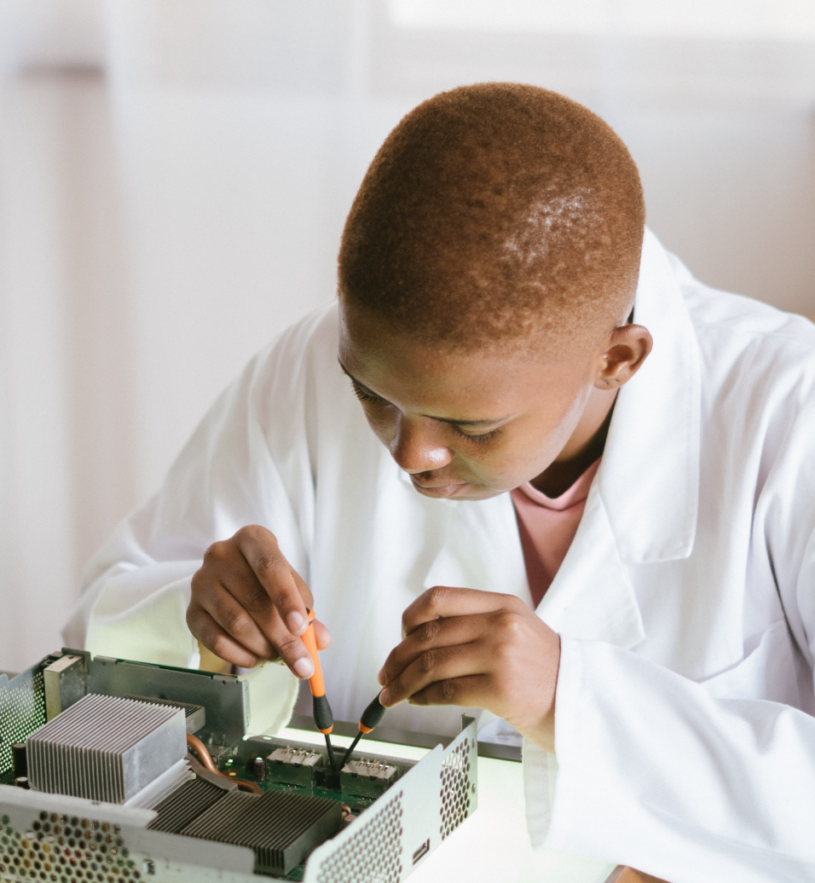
{"points": [[65, 683], [195, 716], [19, 762], [367, 778], [258, 767], [281, 827], [293, 766], [190, 801], [105, 748], [362, 823]]}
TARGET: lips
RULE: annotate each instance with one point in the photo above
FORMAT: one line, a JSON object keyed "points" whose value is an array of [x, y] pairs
{"points": [[437, 488], [437, 483]]}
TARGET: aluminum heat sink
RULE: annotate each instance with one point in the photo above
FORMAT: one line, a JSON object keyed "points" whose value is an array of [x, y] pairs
{"points": [[105, 748], [189, 802], [281, 827]]}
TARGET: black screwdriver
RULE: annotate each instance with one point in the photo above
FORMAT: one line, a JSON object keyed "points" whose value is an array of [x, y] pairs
{"points": [[367, 723]]}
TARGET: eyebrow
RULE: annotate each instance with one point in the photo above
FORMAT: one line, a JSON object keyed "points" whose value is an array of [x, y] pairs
{"points": [[431, 416]]}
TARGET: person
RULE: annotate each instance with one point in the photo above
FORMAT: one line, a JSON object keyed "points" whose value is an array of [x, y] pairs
{"points": [[527, 466]]}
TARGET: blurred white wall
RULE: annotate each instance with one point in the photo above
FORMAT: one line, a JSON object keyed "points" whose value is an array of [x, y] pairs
{"points": [[174, 175]]}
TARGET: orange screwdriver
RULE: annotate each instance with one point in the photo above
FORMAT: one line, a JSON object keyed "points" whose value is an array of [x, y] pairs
{"points": [[323, 716]]}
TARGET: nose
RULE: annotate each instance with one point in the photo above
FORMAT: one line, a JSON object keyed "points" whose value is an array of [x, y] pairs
{"points": [[416, 447]]}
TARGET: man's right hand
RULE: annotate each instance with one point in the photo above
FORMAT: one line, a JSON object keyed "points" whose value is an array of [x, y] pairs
{"points": [[249, 605]]}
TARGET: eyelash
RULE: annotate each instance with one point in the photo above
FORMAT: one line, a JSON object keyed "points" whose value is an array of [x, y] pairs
{"points": [[364, 396], [476, 439], [479, 439]]}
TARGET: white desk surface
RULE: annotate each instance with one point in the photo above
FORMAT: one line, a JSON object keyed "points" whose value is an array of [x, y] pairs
{"points": [[492, 845]]}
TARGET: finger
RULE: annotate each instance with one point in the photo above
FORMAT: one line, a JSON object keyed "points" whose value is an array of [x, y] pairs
{"points": [[470, 691], [323, 635], [433, 634], [234, 619], [436, 665], [445, 601], [303, 589], [238, 578], [226, 604], [243, 585], [290, 648], [259, 547], [224, 565], [214, 638]]}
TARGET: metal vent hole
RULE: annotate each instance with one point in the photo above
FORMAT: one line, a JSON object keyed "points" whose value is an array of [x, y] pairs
{"points": [[64, 849], [455, 790], [373, 854]]}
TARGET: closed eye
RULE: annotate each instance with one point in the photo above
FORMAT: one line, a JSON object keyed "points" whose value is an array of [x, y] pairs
{"points": [[480, 438], [365, 395]]}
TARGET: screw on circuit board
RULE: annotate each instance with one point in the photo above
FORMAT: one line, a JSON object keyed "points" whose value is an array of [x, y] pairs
{"points": [[259, 769]]}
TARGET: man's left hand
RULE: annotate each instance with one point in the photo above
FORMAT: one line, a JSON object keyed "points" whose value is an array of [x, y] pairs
{"points": [[478, 650]]}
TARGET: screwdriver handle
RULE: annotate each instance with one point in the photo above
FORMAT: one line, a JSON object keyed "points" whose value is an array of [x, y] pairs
{"points": [[323, 716], [371, 716], [310, 640]]}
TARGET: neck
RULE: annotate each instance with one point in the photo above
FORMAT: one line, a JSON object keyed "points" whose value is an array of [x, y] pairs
{"points": [[585, 445]]}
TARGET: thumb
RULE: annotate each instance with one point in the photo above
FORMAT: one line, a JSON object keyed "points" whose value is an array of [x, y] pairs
{"points": [[322, 634]]}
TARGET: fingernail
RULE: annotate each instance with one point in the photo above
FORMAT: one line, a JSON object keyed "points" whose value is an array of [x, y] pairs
{"points": [[381, 677], [384, 697], [297, 624], [304, 667]]}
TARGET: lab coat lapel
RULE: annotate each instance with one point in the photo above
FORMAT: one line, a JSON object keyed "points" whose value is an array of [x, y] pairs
{"points": [[592, 597], [649, 480]]}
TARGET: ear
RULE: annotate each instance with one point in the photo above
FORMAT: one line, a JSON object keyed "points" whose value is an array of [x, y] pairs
{"points": [[627, 349]]}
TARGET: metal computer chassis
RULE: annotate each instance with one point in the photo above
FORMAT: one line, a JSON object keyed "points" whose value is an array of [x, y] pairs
{"points": [[46, 837]]}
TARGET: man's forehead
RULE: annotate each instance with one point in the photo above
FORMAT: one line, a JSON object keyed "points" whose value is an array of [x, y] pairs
{"points": [[477, 389], [451, 418]]}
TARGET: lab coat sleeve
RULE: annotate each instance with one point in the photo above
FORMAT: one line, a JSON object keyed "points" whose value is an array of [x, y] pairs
{"points": [[653, 772], [230, 474]]}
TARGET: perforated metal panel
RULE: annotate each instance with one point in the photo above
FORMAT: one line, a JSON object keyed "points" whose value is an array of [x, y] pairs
{"points": [[456, 790], [407, 822], [64, 849], [373, 853], [22, 710], [46, 837]]}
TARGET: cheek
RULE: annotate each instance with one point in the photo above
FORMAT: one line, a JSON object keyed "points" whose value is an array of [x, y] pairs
{"points": [[520, 455], [382, 421], [505, 462]]}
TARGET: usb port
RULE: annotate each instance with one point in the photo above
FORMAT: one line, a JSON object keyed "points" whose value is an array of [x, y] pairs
{"points": [[422, 851]]}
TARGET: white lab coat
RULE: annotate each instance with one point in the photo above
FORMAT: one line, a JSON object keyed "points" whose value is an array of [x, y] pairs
{"points": [[686, 603]]}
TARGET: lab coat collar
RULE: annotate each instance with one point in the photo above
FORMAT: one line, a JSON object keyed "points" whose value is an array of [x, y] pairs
{"points": [[591, 596], [649, 477]]}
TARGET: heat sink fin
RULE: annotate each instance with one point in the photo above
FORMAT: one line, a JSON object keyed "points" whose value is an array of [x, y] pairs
{"points": [[187, 803], [105, 748], [281, 827]]}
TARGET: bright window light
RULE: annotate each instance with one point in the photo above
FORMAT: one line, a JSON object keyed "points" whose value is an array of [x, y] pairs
{"points": [[710, 19]]}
